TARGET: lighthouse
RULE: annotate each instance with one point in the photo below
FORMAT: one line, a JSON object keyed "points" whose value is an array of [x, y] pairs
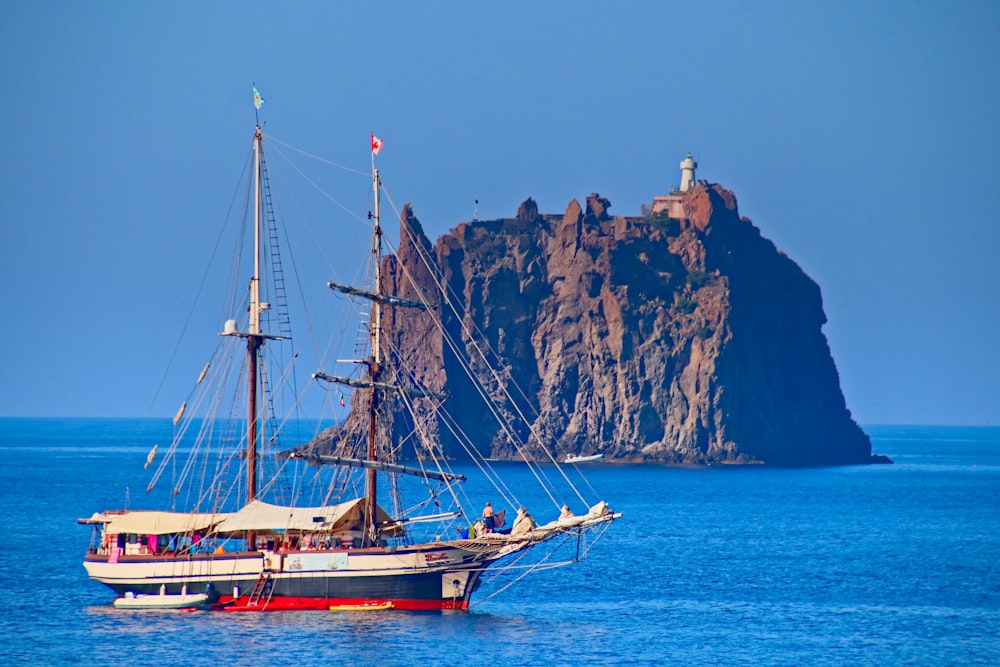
{"points": [[673, 203], [688, 166]]}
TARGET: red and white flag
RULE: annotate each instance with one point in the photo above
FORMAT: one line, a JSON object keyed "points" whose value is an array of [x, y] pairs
{"points": [[376, 144]]}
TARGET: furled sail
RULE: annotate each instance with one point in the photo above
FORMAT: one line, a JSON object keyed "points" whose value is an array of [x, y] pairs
{"points": [[380, 298], [413, 392]]}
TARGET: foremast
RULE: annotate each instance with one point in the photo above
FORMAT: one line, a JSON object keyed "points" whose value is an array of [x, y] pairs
{"points": [[376, 370], [371, 537]]}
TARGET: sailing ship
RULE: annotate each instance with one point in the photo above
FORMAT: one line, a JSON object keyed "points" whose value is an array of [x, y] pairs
{"points": [[250, 542]]}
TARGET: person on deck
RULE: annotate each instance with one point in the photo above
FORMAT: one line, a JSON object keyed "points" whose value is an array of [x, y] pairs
{"points": [[488, 518]]}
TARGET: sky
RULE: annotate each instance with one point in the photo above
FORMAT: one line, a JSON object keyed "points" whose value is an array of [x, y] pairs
{"points": [[860, 137]]}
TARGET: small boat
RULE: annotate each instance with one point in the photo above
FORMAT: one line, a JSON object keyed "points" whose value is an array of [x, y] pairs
{"points": [[583, 459], [374, 606], [162, 600]]}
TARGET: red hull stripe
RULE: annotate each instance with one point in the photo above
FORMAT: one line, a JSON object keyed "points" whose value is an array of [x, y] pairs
{"points": [[289, 603]]}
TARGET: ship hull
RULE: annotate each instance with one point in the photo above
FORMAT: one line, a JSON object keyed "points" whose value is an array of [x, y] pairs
{"points": [[417, 579]]}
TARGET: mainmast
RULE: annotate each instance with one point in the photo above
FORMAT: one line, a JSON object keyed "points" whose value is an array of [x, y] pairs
{"points": [[254, 339], [254, 336], [375, 370]]}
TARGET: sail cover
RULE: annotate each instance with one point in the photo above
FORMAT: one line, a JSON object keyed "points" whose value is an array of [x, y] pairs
{"points": [[261, 516], [162, 523]]}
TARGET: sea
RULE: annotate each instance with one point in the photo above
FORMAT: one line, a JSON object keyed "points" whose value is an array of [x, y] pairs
{"points": [[854, 565]]}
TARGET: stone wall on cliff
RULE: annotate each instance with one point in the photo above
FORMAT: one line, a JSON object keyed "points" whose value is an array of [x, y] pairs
{"points": [[690, 340]]}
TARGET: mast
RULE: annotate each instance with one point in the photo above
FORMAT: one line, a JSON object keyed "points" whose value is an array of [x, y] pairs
{"points": [[375, 370], [254, 338], [373, 383]]}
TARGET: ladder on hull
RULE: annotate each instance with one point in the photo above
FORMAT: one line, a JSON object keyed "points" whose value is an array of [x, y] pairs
{"points": [[263, 587]]}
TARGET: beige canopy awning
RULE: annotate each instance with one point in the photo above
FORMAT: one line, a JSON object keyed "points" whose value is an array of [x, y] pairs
{"points": [[162, 523], [261, 516]]}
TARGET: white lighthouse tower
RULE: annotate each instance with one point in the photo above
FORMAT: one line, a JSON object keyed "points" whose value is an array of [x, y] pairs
{"points": [[673, 204], [688, 166]]}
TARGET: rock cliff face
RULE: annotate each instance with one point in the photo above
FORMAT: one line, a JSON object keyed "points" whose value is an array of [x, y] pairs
{"points": [[688, 340]]}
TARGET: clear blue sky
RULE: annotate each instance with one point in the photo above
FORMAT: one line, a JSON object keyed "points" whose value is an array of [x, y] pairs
{"points": [[861, 137]]}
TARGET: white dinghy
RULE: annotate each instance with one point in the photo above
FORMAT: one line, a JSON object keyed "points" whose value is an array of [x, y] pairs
{"points": [[163, 600]]}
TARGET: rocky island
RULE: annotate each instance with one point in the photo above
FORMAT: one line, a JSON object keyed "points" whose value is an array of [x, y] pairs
{"points": [[682, 336]]}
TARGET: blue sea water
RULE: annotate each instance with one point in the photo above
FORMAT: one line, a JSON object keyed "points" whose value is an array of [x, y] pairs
{"points": [[855, 565]]}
